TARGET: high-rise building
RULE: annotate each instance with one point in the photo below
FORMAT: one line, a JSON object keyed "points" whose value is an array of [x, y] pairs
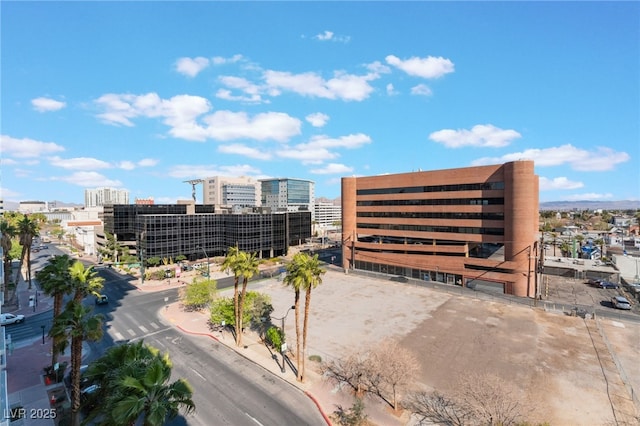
{"points": [[327, 215], [284, 194], [475, 226], [102, 196], [224, 191]]}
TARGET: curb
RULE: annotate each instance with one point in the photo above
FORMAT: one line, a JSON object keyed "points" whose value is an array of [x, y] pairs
{"points": [[315, 401]]}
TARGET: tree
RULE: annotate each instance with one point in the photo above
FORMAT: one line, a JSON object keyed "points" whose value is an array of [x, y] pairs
{"points": [[312, 274], [354, 416], [199, 294], [84, 281], [27, 230], [248, 267], [293, 279], [55, 279], [232, 263], [77, 323], [479, 400], [256, 307], [133, 381], [392, 369], [8, 233]]}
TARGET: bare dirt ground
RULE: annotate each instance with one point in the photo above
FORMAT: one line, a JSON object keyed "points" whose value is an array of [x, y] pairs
{"points": [[569, 370]]}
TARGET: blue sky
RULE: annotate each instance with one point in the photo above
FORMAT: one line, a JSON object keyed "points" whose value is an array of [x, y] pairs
{"points": [[146, 95]]}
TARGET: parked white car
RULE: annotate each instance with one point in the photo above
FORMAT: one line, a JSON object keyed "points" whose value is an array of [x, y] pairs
{"points": [[8, 319]]}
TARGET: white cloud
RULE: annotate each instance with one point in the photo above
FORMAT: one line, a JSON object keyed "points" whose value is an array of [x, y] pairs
{"points": [[79, 163], [332, 168], [220, 60], [350, 141], [429, 67], [26, 148], [378, 67], [317, 119], [562, 182], [590, 196], [47, 104], [191, 66], [600, 159], [483, 135], [422, 90], [187, 171], [7, 194], [227, 125], [307, 155], [127, 165], [244, 150], [8, 162], [147, 162], [181, 113], [88, 179], [347, 87], [330, 36], [252, 91], [391, 91]]}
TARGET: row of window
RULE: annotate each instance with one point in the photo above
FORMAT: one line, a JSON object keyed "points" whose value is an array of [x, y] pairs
{"points": [[481, 186], [434, 215], [435, 202], [428, 228]]}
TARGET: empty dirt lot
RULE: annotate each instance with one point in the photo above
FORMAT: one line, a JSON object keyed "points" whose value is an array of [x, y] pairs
{"points": [[570, 370]]}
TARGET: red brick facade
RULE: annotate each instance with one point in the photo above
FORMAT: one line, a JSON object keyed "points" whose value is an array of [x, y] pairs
{"points": [[474, 226]]}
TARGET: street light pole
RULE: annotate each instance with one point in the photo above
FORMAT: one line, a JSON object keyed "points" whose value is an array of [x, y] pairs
{"points": [[283, 346], [208, 269]]}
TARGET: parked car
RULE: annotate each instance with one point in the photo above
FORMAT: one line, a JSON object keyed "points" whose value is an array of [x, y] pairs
{"points": [[607, 284], [8, 319], [102, 299], [595, 282], [620, 302]]}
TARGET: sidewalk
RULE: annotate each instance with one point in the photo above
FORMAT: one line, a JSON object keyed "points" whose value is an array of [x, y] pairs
{"points": [[324, 395], [26, 359]]}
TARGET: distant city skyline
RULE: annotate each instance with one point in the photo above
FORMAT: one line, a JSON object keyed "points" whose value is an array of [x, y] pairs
{"points": [[143, 96]]}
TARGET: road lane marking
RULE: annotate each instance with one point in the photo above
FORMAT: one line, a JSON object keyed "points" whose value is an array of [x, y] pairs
{"points": [[131, 332], [143, 328], [154, 325], [254, 419], [118, 336], [199, 375]]}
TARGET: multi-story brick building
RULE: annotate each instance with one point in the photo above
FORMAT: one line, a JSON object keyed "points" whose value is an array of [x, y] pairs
{"points": [[474, 226]]}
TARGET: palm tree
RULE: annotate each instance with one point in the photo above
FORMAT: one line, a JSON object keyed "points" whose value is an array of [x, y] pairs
{"points": [[76, 322], [27, 230], [248, 267], [293, 279], [312, 274], [55, 279], [132, 360], [152, 396], [232, 263], [84, 281], [8, 232], [600, 243], [303, 273]]}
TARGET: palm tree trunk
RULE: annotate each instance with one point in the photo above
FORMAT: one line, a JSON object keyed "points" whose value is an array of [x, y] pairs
{"points": [[57, 308], [297, 316], [307, 303], [245, 281], [29, 265], [235, 310], [76, 358]]}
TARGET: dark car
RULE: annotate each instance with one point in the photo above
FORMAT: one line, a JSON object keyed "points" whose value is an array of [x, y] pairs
{"points": [[607, 284], [102, 299]]}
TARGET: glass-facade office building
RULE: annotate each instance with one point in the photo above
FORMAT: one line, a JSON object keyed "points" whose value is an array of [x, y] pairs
{"points": [[168, 231]]}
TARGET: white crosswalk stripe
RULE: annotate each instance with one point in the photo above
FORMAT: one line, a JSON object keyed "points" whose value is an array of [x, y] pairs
{"points": [[154, 325], [118, 336], [131, 332], [143, 328]]}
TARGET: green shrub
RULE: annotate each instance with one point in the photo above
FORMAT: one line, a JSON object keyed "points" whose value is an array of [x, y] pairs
{"points": [[275, 337], [199, 294], [315, 358]]}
